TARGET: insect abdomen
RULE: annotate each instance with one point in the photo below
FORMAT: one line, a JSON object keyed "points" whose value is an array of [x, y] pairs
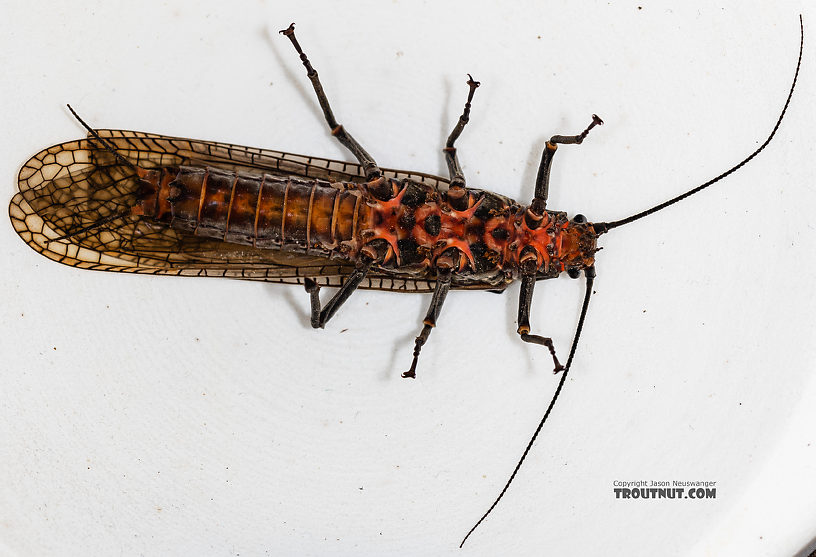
{"points": [[263, 211]]}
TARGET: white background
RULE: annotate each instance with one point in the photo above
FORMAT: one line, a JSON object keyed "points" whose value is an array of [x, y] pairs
{"points": [[152, 416]]}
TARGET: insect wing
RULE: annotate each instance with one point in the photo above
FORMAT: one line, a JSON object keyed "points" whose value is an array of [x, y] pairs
{"points": [[74, 207], [134, 145]]}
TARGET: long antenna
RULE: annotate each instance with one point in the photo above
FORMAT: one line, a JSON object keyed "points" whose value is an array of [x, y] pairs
{"points": [[106, 144], [590, 278], [602, 227]]}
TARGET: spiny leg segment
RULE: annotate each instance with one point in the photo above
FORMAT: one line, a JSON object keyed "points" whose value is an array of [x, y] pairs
{"points": [[529, 261], [542, 186], [443, 283], [448, 261], [372, 171], [371, 254], [528, 280], [374, 254], [457, 195]]}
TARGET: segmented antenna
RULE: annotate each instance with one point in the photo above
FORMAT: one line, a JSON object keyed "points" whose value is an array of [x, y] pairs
{"points": [[589, 272], [106, 144], [602, 227]]}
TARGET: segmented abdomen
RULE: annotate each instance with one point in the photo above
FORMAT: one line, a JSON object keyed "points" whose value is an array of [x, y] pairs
{"points": [[265, 211]]}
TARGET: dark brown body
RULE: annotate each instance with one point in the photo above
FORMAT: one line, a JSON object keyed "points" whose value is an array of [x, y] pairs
{"points": [[264, 211]]}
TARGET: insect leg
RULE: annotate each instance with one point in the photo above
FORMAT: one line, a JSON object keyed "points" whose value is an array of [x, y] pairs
{"points": [[321, 316], [528, 279], [368, 258], [443, 282], [542, 185], [370, 167], [456, 174]]}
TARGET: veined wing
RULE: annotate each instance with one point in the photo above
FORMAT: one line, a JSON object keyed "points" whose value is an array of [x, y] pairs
{"points": [[134, 145], [74, 200]]}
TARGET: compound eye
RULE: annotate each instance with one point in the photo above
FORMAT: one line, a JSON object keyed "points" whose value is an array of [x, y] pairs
{"points": [[574, 273], [579, 218]]}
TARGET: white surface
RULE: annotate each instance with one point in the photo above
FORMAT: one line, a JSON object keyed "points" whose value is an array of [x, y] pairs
{"points": [[182, 416]]}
